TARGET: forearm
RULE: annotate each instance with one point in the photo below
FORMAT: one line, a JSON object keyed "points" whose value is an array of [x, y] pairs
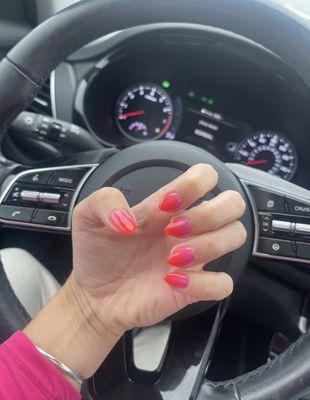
{"points": [[68, 329]]}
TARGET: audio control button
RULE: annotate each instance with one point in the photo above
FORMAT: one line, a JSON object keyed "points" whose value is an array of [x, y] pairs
{"points": [[29, 195]]}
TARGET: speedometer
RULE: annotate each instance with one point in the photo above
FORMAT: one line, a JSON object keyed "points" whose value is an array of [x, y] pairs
{"points": [[144, 111], [270, 152]]}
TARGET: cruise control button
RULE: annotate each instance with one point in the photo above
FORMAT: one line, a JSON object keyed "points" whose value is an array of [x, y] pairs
{"points": [[303, 250], [67, 178], [298, 208], [40, 178], [266, 201], [20, 214], [276, 247], [52, 218], [50, 198]]}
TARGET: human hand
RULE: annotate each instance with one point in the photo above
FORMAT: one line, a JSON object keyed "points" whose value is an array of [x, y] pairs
{"points": [[121, 255]]}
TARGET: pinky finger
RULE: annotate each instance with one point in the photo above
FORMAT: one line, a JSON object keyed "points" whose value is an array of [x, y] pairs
{"points": [[201, 286]]}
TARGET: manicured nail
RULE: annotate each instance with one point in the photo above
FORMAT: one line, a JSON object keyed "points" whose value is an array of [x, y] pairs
{"points": [[178, 226], [170, 202], [123, 221], [177, 279], [181, 256]]}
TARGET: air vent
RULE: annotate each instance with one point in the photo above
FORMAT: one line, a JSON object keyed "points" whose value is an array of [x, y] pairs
{"points": [[42, 104]]}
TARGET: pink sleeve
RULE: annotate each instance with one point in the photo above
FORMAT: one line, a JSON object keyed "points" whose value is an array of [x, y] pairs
{"points": [[26, 374]]}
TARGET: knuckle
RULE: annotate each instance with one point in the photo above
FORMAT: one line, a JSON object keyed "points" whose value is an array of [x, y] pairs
{"points": [[241, 232], [199, 177], [236, 199], [215, 247], [109, 191]]}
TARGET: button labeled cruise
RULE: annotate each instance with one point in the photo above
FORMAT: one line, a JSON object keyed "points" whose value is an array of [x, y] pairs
{"points": [[298, 208]]}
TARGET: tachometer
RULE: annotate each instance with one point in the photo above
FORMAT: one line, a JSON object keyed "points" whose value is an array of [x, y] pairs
{"points": [[144, 111], [270, 152]]}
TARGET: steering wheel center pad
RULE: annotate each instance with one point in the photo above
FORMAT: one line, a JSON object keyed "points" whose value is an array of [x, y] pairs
{"points": [[140, 170]]}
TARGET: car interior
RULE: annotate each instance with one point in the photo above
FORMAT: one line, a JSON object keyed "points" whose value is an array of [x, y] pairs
{"points": [[130, 93]]}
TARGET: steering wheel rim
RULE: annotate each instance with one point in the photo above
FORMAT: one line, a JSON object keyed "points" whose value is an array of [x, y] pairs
{"points": [[28, 64]]}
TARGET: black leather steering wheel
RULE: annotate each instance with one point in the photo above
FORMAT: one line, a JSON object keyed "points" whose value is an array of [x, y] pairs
{"points": [[25, 69]]}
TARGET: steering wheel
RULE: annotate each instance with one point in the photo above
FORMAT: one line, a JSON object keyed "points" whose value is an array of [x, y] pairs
{"points": [[138, 171]]}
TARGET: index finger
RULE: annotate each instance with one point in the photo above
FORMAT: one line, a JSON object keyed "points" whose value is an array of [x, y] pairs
{"points": [[183, 191]]}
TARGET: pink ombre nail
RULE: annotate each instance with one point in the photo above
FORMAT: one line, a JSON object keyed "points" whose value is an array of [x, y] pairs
{"points": [[181, 256], [178, 226], [123, 221]]}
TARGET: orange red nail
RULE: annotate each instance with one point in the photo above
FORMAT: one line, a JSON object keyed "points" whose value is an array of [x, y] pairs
{"points": [[170, 202], [177, 279], [123, 221]]}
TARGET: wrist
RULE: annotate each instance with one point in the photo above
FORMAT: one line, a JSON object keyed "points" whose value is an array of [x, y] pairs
{"points": [[68, 329], [87, 310]]}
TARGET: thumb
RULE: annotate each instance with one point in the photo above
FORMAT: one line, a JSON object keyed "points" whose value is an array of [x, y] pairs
{"points": [[201, 286], [108, 207]]}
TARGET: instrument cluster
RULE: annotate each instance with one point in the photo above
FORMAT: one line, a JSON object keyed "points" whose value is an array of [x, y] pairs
{"points": [[239, 111]]}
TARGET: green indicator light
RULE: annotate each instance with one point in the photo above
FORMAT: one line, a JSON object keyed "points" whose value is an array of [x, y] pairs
{"points": [[204, 99], [211, 102], [191, 94], [166, 84]]}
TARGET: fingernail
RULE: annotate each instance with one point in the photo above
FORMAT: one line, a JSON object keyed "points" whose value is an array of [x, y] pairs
{"points": [[170, 202], [123, 221], [177, 279], [181, 256], [178, 226]]}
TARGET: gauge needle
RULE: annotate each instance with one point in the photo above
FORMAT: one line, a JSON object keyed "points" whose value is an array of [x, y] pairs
{"points": [[255, 162], [132, 114]]}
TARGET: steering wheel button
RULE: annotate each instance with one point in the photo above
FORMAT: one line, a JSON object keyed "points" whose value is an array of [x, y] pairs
{"points": [[52, 218], [18, 214], [276, 247], [303, 250], [282, 226], [29, 195], [50, 198], [67, 178], [298, 208], [266, 201], [40, 178], [302, 229]]}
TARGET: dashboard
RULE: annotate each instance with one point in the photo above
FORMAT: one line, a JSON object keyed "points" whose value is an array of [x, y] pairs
{"points": [[169, 89]]}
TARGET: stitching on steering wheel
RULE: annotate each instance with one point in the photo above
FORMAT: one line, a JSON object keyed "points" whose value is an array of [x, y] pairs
{"points": [[244, 378]]}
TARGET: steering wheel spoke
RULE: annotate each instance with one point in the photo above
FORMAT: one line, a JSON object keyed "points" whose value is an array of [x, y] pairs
{"points": [[43, 199], [281, 213], [181, 369]]}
